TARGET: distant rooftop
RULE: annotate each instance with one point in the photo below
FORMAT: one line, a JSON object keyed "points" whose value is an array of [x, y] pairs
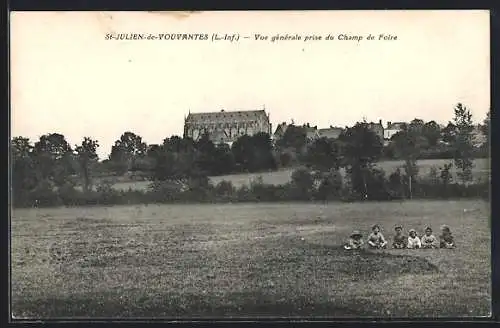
{"points": [[240, 115]]}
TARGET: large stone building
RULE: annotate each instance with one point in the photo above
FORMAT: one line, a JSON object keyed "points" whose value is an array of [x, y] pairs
{"points": [[226, 126]]}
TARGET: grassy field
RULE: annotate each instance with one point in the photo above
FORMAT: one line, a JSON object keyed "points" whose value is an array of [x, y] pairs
{"points": [[245, 261], [481, 170]]}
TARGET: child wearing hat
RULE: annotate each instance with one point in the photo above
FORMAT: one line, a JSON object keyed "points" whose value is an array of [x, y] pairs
{"points": [[446, 238], [428, 239], [355, 240], [400, 240], [413, 240], [376, 239]]}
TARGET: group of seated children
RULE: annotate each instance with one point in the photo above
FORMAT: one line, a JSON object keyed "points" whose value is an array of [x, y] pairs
{"points": [[376, 240]]}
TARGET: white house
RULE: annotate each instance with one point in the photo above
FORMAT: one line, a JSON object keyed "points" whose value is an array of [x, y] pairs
{"points": [[392, 129]]}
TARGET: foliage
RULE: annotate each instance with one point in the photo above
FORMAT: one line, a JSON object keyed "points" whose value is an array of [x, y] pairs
{"points": [[47, 172], [445, 174], [54, 158], [361, 147], [295, 137], [330, 187], [302, 184], [86, 154], [463, 143], [253, 153], [127, 149], [24, 177], [485, 129], [408, 144], [431, 132], [323, 154]]}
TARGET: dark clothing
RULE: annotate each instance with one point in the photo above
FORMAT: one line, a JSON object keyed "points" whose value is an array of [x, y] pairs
{"points": [[399, 241]]}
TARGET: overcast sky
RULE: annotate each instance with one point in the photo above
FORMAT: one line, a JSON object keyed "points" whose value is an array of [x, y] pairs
{"points": [[66, 78]]}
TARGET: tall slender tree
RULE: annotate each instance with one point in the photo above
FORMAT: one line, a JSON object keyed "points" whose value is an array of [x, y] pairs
{"points": [[408, 143], [86, 154], [463, 155]]}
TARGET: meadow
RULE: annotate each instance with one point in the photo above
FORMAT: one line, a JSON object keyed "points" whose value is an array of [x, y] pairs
{"points": [[246, 260], [481, 171]]}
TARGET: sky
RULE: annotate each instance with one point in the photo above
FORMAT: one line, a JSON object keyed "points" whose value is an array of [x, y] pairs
{"points": [[67, 78]]}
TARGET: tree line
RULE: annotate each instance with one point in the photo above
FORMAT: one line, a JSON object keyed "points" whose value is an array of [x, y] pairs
{"points": [[52, 165]]}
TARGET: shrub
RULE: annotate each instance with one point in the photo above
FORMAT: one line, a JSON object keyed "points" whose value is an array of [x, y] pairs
{"points": [[301, 188], [69, 195], [445, 174], [224, 190], [330, 187], [302, 185], [244, 194], [396, 185], [44, 195]]}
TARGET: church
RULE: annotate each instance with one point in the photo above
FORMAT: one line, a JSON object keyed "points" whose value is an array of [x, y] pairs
{"points": [[226, 126]]}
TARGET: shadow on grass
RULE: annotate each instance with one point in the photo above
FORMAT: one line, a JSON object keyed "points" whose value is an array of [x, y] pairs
{"points": [[107, 304]]}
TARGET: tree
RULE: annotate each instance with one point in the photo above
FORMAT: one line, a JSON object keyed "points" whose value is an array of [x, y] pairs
{"points": [[463, 155], [223, 159], [127, 149], [23, 168], [417, 125], [431, 131], [262, 158], [206, 154], [408, 144], [253, 153], [449, 133], [361, 147], [323, 155], [164, 163], [485, 129], [302, 183], [86, 154], [54, 158], [294, 137]]}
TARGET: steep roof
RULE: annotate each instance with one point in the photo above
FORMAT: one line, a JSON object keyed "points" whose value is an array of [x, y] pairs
{"points": [[281, 128], [241, 115]]}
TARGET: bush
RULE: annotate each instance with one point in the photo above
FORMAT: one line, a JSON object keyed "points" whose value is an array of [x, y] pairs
{"points": [[224, 190], [301, 188], [302, 185], [44, 195], [69, 195], [367, 184], [396, 184], [330, 187]]}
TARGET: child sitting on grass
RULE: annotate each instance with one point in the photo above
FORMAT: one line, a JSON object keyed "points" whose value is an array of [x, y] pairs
{"points": [[376, 239], [413, 240], [429, 240], [399, 240], [355, 241], [446, 239]]}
